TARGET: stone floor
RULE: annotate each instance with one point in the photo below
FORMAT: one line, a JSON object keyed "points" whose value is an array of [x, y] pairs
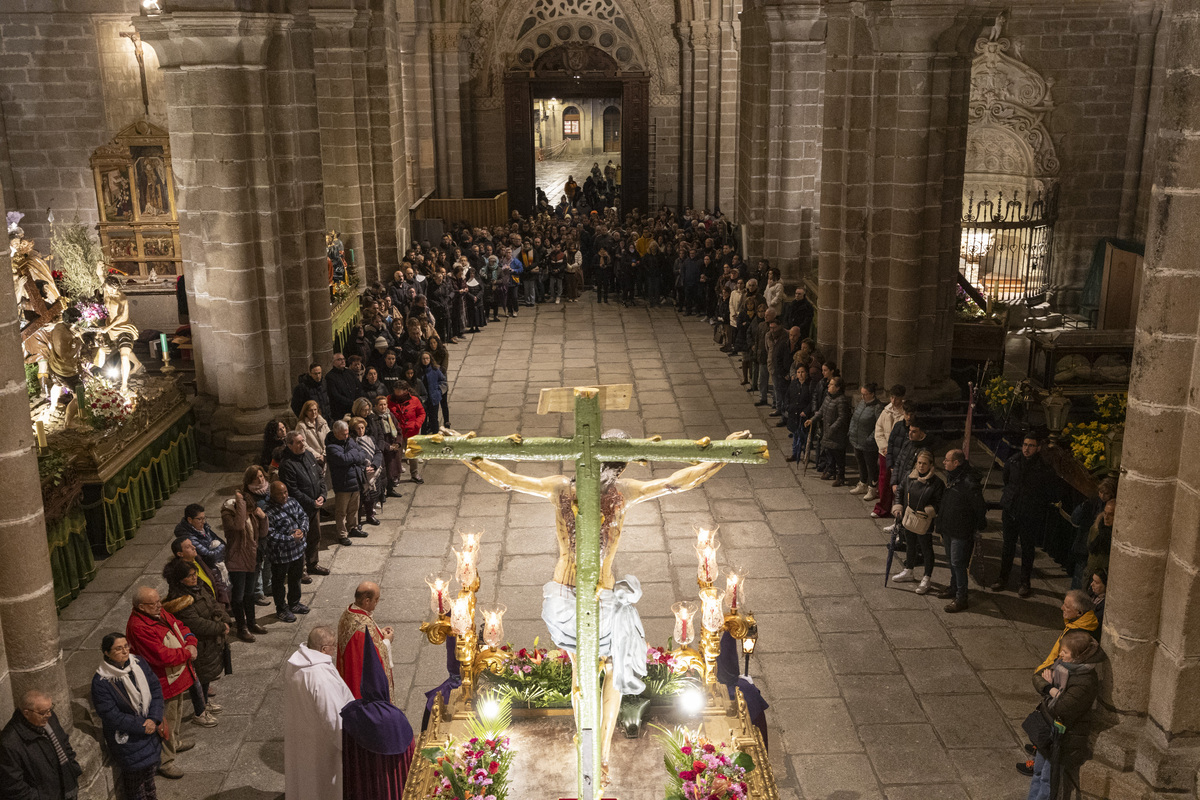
{"points": [[874, 691], [552, 175]]}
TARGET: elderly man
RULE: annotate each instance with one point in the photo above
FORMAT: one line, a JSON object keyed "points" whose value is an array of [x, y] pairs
{"points": [[314, 697], [305, 482], [1078, 615], [348, 467], [36, 759], [288, 527], [166, 644], [356, 624], [963, 512]]}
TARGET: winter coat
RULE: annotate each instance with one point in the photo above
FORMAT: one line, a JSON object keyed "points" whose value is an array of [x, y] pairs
{"points": [[373, 390], [862, 424], [344, 388], [303, 477], [1029, 486], [315, 434], [963, 510], [199, 611], [906, 457], [307, 389], [781, 358], [409, 414], [885, 421], [207, 543], [148, 640], [758, 334], [29, 768], [921, 494], [435, 383], [140, 750], [897, 438], [835, 421], [243, 529], [347, 464], [1073, 706], [798, 314]]}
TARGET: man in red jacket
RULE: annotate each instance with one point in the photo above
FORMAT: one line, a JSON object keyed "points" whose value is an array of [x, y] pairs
{"points": [[410, 416], [168, 647]]}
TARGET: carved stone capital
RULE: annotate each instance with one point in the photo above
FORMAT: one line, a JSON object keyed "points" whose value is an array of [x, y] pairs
{"points": [[799, 23], [446, 37], [910, 30], [195, 40]]}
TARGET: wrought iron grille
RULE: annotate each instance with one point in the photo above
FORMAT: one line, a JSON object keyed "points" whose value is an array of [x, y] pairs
{"points": [[1007, 244]]}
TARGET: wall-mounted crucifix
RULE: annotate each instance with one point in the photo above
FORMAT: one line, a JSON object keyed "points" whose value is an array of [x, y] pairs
{"points": [[134, 37]]}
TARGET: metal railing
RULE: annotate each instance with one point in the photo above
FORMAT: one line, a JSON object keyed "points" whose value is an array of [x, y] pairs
{"points": [[1007, 244]]}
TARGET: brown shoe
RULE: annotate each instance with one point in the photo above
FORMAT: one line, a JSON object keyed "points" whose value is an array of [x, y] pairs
{"points": [[245, 635], [839, 482], [317, 569], [256, 628], [953, 607], [170, 771], [999, 586]]}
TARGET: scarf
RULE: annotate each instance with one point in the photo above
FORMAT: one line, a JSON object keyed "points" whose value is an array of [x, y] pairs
{"points": [[132, 679], [1086, 622], [261, 488]]}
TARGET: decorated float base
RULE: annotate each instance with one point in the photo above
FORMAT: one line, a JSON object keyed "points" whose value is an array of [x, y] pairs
{"points": [[543, 766]]}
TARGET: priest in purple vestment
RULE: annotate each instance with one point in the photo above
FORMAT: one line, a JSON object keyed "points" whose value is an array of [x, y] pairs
{"points": [[377, 741]]}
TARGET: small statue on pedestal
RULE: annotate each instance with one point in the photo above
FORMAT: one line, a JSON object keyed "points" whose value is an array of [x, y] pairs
{"points": [[336, 252]]}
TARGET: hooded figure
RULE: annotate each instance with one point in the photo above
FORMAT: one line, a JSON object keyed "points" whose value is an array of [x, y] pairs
{"points": [[377, 741]]}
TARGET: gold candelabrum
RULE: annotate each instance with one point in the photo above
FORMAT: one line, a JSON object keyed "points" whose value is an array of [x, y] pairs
{"points": [[475, 649], [738, 622]]}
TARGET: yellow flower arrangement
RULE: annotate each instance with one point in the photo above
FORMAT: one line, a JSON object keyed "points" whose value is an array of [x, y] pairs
{"points": [[999, 393]]}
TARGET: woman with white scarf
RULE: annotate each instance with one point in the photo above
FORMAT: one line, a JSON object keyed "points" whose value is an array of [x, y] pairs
{"points": [[128, 699]]}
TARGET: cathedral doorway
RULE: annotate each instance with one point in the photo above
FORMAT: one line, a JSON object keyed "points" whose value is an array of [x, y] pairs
{"points": [[588, 83]]}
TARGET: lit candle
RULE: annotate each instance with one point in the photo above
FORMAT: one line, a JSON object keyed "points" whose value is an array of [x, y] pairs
{"points": [[706, 562], [162, 341], [734, 589], [493, 625], [684, 632], [711, 617], [41, 434], [466, 573], [471, 539], [462, 617], [439, 594], [705, 537]]}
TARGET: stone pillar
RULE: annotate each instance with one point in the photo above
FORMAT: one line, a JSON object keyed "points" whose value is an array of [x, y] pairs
{"points": [[686, 111], [415, 75], [30, 656], [1152, 624], [450, 111], [245, 146], [891, 174], [709, 109]]}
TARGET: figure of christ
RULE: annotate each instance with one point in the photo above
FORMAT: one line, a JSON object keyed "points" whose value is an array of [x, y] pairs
{"points": [[118, 334], [622, 641]]}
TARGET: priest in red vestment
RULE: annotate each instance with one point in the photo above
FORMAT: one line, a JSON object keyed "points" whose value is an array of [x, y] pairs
{"points": [[356, 625], [377, 741]]}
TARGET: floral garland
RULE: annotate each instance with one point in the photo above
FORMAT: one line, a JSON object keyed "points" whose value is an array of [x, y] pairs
{"points": [[698, 769], [476, 769]]}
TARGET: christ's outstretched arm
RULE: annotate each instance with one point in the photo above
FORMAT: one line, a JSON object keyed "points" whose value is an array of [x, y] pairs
{"points": [[511, 481], [679, 481]]}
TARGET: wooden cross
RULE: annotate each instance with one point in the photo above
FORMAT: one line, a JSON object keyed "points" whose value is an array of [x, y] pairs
{"points": [[589, 452]]}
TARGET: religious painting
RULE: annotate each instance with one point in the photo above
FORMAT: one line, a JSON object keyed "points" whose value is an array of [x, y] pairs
{"points": [[122, 248], [116, 199], [150, 175], [135, 193]]}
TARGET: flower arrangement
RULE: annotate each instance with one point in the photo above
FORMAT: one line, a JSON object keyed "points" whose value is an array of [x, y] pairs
{"points": [[666, 674], [965, 308], [343, 290], [1087, 442], [999, 393], [1111, 407], [102, 404], [91, 314], [698, 769], [476, 769]]}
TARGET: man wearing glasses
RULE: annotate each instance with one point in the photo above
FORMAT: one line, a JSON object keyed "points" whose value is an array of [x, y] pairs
{"points": [[166, 644], [36, 759]]}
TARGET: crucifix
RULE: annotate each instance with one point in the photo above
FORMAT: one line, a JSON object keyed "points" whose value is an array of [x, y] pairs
{"points": [[136, 38], [584, 605]]}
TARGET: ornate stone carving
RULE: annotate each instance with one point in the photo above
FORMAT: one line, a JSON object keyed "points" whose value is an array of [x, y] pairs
{"points": [[575, 57], [1009, 94]]}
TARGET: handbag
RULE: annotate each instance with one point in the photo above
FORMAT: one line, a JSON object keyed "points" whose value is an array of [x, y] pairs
{"points": [[917, 522], [1039, 729]]}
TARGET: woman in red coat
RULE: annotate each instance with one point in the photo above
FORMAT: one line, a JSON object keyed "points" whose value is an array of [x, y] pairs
{"points": [[410, 416]]}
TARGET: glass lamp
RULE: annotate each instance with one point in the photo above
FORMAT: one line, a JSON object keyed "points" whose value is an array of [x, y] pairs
{"points": [[471, 539], [466, 574], [706, 562], [712, 616], [1114, 442], [493, 625], [705, 536], [684, 626], [735, 589], [462, 617], [439, 593], [1057, 408]]}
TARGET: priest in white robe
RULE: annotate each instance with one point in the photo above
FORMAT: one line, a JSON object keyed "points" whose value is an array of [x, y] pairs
{"points": [[314, 695]]}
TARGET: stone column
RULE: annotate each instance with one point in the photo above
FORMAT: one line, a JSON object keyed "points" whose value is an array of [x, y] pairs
{"points": [[683, 31], [30, 656], [1152, 624], [450, 111], [246, 152]]}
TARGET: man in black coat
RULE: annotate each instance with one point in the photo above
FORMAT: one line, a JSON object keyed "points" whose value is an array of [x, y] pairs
{"points": [[963, 513], [36, 758], [781, 367], [343, 386], [311, 387], [305, 482], [1029, 487], [799, 313]]}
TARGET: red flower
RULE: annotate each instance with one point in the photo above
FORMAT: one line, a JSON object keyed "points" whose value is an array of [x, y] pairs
{"points": [[687, 775], [686, 750], [698, 766], [493, 767], [708, 748]]}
